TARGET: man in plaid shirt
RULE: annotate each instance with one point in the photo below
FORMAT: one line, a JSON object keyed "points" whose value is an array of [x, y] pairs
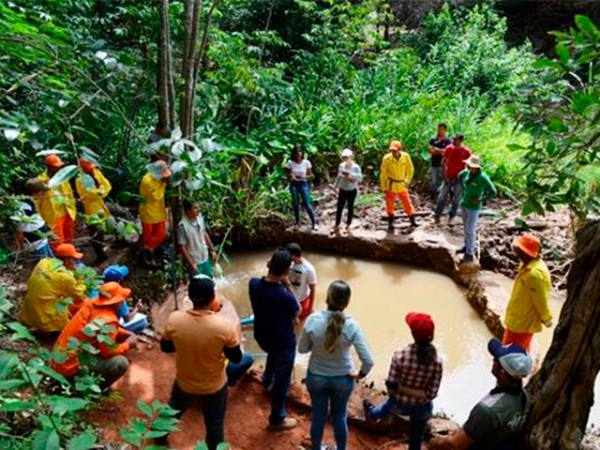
{"points": [[413, 381]]}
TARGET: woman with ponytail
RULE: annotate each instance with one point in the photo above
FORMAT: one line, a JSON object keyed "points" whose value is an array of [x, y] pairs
{"points": [[328, 335], [413, 381]]}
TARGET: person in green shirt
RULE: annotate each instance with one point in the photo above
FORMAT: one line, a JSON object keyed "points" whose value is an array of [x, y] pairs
{"points": [[476, 185]]}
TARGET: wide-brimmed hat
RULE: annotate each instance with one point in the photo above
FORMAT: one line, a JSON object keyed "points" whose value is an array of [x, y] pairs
{"points": [[111, 293], [347, 153], [395, 145], [474, 162], [54, 161], [67, 251], [421, 325], [529, 244], [513, 358]]}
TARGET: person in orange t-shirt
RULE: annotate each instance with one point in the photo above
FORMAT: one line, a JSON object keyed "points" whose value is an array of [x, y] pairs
{"points": [[111, 363]]}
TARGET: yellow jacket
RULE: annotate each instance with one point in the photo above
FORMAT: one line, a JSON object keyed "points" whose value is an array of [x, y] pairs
{"points": [[62, 199], [49, 284], [93, 199], [528, 306], [395, 174], [152, 206]]}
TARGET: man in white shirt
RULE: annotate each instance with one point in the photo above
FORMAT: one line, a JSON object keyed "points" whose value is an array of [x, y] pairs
{"points": [[195, 246], [303, 280]]}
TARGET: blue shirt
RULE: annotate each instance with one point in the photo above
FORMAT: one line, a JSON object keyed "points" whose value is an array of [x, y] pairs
{"points": [[355, 173], [338, 363], [274, 309]]}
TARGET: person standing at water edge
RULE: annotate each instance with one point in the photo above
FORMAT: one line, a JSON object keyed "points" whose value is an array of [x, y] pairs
{"points": [[395, 176], [413, 381], [453, 163], [475, 185], [497, 421], [303, 280], [528, 307], [437, 145], [328, 335], [201, 340], [193, 242], [275, 312], [299, 171], [349, 175]]}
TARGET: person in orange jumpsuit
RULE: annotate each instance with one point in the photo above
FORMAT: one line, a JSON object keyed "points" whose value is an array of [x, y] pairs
{"points": [[112, 341]]}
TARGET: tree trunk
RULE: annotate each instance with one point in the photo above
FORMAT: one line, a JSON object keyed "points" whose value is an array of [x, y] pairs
{"points": [[204, 44], [562, 392], [188, 70], [166, 107]]}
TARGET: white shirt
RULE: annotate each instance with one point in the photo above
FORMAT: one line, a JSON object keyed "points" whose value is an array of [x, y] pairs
{"points": [[301, 276], [192, 235], [299, 171]]}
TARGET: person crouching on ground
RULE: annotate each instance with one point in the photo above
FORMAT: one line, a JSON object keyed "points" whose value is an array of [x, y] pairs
{"points": [[302, 280], [129, 318], [328, 335], [497, 421], [349, 175], [413, 381], [201, 341], [395, 176], [528, 307], [193, 241], [112, 342], [275, 312]]}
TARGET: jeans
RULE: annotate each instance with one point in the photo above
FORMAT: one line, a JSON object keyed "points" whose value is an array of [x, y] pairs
{"points": [[329, 394], [110, 369], [278, 373], [301, 190], [343, 198], [453, 186], [213, 408], [235, 371], [470, 218], [419, 415], [435, 176]]}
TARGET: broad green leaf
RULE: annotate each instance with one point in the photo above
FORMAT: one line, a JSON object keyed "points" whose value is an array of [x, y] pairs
{"points": [[11, 384], [11, 133], [54, 374], [84, 441], [88, 181], [62, 405], [145, 408], [563, 53], [20, 332], [63, 175], [46, 439], [544, 63], [11, 405], [586, 25], [8, 363], [164, 424]]}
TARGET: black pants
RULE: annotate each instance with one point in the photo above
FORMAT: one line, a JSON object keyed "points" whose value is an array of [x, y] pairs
{"points": [[343, 197], [97, 240], [213, 408]]}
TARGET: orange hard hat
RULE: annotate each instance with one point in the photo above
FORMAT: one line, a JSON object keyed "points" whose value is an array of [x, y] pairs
{"points": [[67, 251], [395, 145], [54, 161], [111, 293], [86, 165], [529, 244]]}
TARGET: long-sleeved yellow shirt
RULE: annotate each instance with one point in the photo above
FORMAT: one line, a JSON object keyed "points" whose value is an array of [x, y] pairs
{"points": [[528, 306], [395, 174], [58, 202], [152, 206], [93, 199], [49, 284]]}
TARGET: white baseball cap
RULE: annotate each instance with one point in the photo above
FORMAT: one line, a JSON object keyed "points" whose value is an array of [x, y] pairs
{"points": [[347, 153]]}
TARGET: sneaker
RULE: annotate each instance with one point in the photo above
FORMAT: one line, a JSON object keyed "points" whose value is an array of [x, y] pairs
{"points": [[413, 222], [287, 424], [437, 220]]}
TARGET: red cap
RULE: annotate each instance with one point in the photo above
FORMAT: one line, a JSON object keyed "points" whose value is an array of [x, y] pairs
{"points": [[54, 161], [67, 251], [395, 145], [87, 166], [421, 325], [529, 244]]}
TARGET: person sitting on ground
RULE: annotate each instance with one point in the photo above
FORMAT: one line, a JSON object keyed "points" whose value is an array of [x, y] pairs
{"points": [[299, 171], [113, 342], [129, 318], [32, 231], [476, 185], [93, 187], [349, 175], [57, 207], [275, 313], [436, 148], [153, 212], [193, 241], [413, 381], [201, 340], [302, 280], [50, 285], [396, 174], [328, 335], [497, 421], [528, 307], [453, 163]]}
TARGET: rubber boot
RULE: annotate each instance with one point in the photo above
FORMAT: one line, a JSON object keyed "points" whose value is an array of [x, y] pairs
{"points": [[413, 222], [391, 223]]}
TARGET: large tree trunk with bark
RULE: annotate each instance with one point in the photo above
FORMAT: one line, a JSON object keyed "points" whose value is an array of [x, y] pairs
{"points": [[193, 9], [562, 392], [166, 94]]}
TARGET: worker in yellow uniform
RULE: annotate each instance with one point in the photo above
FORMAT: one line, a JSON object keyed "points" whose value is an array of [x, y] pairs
{"points": [[527, 308], [153, 212], [51, 283], [92, 192], [396, 174], [57, 207]]}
